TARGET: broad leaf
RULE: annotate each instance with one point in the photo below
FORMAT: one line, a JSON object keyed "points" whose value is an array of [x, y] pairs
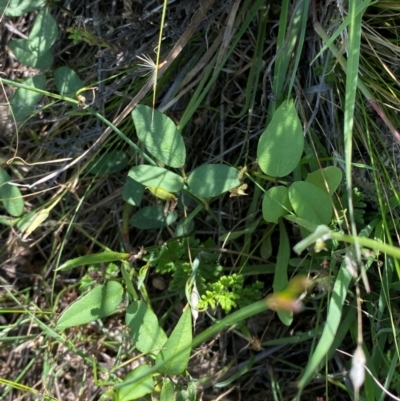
{"points": [[152, 217], [111, 162], [24, 101], [10, 195], [167, 391], [211, 180], [67, 81], [15, 8], [328, 178], [135, 389], [102, 301], [176, 351], [31, 58], [145, 331], [276, 204], [310, 203], [153, 177], [132, 192], [159, 135], [281, 145], [43, 33], [333, 320]]}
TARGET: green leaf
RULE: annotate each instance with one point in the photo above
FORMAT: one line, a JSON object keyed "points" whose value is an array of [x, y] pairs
{"points": [[211, 180], [152, 176], [280, 277], [184, 227], [266, 247], [43, 33], [24, 222], [102, 257], [10, 195], [159, 135], [310, 202], [25, 55], [276, 204], [102, 301], [67, 81], [109, 163], [176, 353], [332, 323], [132, 192], [167, 391], [34, 221], [152, 217], [24, 100], [145, 332], [15, 8], [138, 388], [301, 222], [281, 145], [328, 178]]}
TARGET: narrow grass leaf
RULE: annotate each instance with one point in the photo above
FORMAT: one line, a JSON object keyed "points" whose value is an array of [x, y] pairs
{"points": [[102, 301], [10, 195], [281, 145], [297, 35], [330, 42], [280, 276], [211, 73], [331, 326], [102, 257], [184, 227], [145, 331], [176, 353], [211, 180], [266, 248], [127, 279], [159, 135], [35, 221], [352, 71], [232, 235], [240, 373], [152, 176], [284, 55], [136, 388]]}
